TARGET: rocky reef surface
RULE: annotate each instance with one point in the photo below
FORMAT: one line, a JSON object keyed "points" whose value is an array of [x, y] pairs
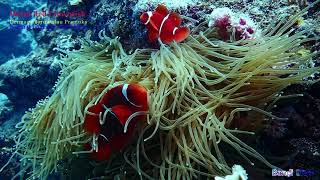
{"points": [[30, 65]]}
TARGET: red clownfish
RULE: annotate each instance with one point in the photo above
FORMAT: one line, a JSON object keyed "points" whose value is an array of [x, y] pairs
{"points": [[164, 25], [113, 119]]}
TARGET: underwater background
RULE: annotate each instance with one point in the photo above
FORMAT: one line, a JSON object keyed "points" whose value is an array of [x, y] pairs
{"points": [[31, 59]]}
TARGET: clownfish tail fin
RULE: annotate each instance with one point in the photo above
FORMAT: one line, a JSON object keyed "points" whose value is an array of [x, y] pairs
{"points": [[181, 34]]}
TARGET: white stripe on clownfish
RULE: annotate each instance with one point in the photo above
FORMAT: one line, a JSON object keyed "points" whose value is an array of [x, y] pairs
{"points": [[174, 31], [149, 17], [163, 21], [125, 94]]}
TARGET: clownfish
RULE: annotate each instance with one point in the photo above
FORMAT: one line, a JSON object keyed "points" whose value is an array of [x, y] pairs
{"points": [[112, 120], [164, 26]]}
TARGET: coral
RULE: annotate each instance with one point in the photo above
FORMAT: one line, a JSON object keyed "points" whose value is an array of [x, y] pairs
{"points": [[8, 119], [5, 107], [74, 2], [119, 19], [6, 149], [238, 173], [33, 75], [301, 3], [305, 145], [171, 4], [276, 129], [232, 26], [300, 141], [66, 42]]}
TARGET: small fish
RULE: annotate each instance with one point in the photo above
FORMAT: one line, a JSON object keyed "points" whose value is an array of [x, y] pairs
{"points": [[164, 25], [113, 119]]}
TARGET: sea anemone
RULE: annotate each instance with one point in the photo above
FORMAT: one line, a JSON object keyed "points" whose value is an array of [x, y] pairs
{"points": [[195, 90]]}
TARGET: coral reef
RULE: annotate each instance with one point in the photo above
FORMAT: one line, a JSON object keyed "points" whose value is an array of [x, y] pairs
{"points": [[56, 123], [5, 107], [74, 2], [171, 4], [118, 19], [34, 74], [300, 149], [24, 81], [196, 89]]}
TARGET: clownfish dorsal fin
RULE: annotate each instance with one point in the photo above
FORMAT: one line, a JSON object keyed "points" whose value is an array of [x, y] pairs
{"points": [[162, 9], [175, 18]]}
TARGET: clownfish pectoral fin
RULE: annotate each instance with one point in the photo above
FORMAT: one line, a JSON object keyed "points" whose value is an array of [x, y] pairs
{"points": [[153, 35], [162, 9], [175, 18], [181, 34]]}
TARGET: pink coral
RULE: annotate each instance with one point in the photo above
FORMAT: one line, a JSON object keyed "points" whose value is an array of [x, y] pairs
{"points": [[232, 26]]}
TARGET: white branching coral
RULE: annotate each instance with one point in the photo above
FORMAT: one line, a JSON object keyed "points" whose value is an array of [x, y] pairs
{"points": [[238, 173]]}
